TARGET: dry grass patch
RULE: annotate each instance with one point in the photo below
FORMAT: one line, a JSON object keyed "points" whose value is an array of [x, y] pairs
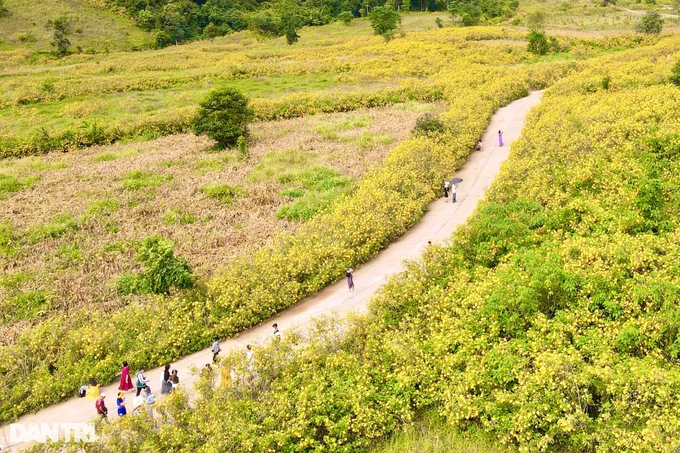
{"points": [[68, 235]]}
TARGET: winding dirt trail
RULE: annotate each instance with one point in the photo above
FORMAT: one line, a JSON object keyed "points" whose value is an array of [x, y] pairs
{"points": [[437, 226]]}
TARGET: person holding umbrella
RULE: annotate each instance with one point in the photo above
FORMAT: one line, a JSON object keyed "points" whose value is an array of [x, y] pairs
{"points": [[454, 182]]}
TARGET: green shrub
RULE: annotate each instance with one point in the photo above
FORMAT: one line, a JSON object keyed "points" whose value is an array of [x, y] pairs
{"points": [[650, 24], [538, 43], [163, 270], [224, 116], [346, 17], [428, 124]]}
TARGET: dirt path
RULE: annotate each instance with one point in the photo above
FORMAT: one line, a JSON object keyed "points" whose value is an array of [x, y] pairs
{"points": [[437, 226], [639, 12]]}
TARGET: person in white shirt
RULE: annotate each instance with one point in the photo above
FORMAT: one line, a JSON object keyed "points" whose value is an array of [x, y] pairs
{"points": [[277, 332], [453, 193]]}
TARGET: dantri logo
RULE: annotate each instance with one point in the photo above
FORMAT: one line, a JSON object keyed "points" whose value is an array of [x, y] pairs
{"points": [[69, 432]]}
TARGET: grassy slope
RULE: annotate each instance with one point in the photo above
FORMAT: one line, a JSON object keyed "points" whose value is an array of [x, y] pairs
{"points": [[94, 28]]}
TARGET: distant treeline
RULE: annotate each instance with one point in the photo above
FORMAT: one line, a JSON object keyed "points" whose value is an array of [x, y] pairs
{"points": [[177, 21]]}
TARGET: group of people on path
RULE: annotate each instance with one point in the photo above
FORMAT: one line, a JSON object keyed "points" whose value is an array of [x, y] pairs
{"points": [[169, 381], [169, 378]]}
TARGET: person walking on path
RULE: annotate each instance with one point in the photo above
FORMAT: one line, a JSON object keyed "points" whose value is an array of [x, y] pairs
{"points": [[446, 189], [453, 193], [216, 349], [93, 390], [120, 402], [174, 379], [500, 139], [277, 332], [125, 379], [479, 145], [101, 406], [166, 373], [166, 385], [142, 381], [350, 279]]}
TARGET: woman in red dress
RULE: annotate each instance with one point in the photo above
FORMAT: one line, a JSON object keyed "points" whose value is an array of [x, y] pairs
{"points": [[125, 379]]}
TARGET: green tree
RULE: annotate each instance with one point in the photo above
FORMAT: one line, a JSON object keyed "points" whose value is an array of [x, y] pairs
{"points": [[61, 29], [290, 24], [212, 31], [538, 44], [265, 23], [384, 20], [346, 17], [224, 116], [650, 24], [439, 22]]}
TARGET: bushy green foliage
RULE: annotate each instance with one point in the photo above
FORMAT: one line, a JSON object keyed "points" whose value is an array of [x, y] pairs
{"points": [[384, 20], [428, 124], [212, 31], [651, 23], [538, 44], [61, 30], [224, 116], [162, 272], [346, 17]]}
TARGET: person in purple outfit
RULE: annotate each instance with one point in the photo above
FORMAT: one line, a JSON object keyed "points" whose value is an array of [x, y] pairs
{"points": [[500, 138]]}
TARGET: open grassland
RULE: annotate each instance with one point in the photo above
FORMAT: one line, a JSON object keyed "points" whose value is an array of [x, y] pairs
{"points": [[550, 322], [584, 17], [84, 100], [66, 254], [94, 27]]}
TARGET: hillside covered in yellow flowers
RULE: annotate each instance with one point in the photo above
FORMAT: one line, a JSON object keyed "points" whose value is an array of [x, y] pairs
{"points": [[549, 324], [551, 321]]}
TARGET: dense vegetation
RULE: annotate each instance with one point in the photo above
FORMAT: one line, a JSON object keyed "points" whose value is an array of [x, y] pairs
{"points": [[550, 322]]}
